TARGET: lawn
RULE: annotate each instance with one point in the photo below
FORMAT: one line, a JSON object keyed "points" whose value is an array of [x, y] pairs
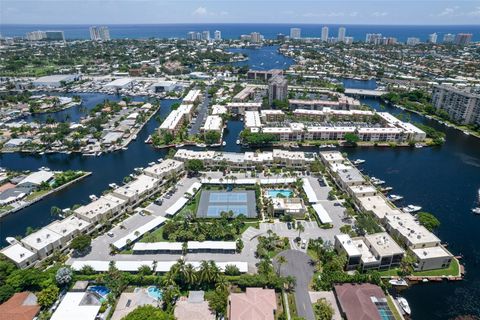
{"points": [[36, 194], [292, 305], [392, 307], [453, 270]]}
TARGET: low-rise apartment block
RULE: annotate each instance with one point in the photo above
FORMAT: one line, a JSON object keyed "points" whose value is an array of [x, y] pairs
{"points": [[248, 159], [177, 118], [106, 207], [137, 189]]}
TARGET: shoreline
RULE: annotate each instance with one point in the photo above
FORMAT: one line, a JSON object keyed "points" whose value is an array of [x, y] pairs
{"points": [[436, 118], [86, 174]]}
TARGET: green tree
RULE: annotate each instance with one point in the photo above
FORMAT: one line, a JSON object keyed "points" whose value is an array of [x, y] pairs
{"points": [[81, 243], [217, 301], [323, 310], [407, 264], [212, 137], [428, 220], [194, 166], [351, 138], [148, 312], [48, 296], [281, 260]]}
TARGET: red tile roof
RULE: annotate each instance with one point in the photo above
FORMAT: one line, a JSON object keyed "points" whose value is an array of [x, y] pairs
{"points": [[355, 300], [254, 304], [22, 306]]}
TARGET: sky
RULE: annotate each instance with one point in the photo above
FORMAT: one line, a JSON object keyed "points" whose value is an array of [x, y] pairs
{"points": [[380, 12]]}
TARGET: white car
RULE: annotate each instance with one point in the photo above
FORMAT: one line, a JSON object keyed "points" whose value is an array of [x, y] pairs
{"points": [[110, 234]]}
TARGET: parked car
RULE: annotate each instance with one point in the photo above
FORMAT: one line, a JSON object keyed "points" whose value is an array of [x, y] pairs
{"points": [[304, 244], [289, 225], [110, 234]]}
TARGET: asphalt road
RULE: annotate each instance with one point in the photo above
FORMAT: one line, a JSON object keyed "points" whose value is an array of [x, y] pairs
{"points": [[298, 265]]}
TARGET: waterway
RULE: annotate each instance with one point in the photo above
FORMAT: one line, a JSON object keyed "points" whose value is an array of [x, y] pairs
{"points": [[443, 180]]}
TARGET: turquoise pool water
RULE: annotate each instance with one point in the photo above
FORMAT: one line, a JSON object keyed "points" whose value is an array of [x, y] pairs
{"points": [[284, 192], [155, 293], [102, 291]]}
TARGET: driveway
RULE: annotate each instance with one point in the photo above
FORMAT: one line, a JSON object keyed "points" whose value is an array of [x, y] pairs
{"points": [[298, 265]]}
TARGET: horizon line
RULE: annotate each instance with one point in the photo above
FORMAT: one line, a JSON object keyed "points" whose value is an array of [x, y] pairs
{"points": [[230, 23]]}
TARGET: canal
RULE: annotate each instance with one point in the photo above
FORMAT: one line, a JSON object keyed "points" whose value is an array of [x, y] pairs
{"points": [[443, 180]]}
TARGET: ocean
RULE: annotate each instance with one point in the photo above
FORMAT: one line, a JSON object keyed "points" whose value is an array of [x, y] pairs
{"points": [[233, 31]]}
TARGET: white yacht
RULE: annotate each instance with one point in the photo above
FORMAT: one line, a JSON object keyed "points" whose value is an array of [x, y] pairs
{"points": [[224, 143], [238, 142], [398, 282], [358, 161], [93, 197], [404, 304], [411, 208], [394, 197], [476, 210]]}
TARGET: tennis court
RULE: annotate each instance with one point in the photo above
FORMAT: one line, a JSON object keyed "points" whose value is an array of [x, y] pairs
{"points": [[213, 203]]}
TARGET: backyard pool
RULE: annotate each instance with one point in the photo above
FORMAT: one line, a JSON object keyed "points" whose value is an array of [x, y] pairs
{"points": [[102, 291], [155, 293], [282, 192]]}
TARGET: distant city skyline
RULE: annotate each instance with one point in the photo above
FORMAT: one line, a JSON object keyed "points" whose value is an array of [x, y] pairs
{"points": [[387, 12]]}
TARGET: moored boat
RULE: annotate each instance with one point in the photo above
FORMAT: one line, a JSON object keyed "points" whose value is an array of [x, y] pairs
{"points": [[412, 208], [398, 282], [404, 304]]}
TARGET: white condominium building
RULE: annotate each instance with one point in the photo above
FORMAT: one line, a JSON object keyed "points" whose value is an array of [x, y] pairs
{"points": [[460, 105]]}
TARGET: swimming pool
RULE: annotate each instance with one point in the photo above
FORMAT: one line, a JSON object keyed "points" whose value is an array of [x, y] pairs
{"points": [[102, 291], [155, 293], [275, 193]]}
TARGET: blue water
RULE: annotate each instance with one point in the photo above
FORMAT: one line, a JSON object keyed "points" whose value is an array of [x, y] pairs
{"points": [[274, 193], [265, 58], [233, 31], [443, 180], [101, 290], [155, 293]]}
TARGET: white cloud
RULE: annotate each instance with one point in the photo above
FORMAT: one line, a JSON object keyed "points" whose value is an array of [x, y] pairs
{"points": [[330, 14], [379, 14], [200, 11], [475, 12], [448, 11]]}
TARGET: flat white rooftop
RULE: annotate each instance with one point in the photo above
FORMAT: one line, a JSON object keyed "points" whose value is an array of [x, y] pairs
{"points": [[162, 266], [432, 253], [140, 231], [348, 245], [383, 244], [164, 167], [100, 206], [71, 308], [139, 185], [322, 213], [213, 123], [40, 239], [378, 205], [17, 253], [311, 195], [68, 226]]}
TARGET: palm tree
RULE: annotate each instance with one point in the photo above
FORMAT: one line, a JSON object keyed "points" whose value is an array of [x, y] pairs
{"points": [[300, 228], [190, 275], [168, 279], [205, 272], [184, 248], [222, 284], [281, 260]]}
